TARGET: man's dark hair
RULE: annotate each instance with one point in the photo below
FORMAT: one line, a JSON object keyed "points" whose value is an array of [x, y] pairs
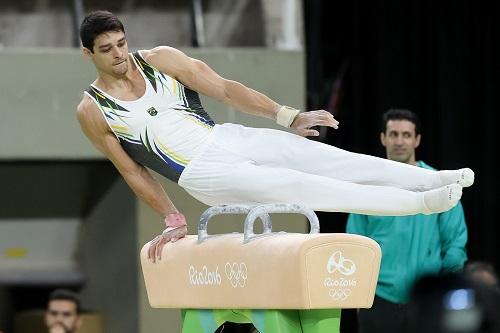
{"points": [[97, 23], [482, 267], [479, 266], [65, 295], [401, 114]]}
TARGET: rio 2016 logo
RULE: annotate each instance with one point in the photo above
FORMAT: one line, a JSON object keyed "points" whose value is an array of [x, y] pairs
{"points": [[236, 273], [340, 288], [204, 277], [337, 262]]}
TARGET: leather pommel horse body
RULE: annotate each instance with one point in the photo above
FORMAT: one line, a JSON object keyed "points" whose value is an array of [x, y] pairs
{"points": [[269, 271]]}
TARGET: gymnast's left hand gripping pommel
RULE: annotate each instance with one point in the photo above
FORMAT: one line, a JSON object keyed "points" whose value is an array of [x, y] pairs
{"points": [[176, 229]]}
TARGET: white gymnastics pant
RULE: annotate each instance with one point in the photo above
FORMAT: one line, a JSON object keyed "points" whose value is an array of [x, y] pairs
{"points": [[242, 165]]}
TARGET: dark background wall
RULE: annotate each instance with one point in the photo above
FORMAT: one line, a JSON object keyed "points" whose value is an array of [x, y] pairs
{"points": [[437, 58], [440, 59]]}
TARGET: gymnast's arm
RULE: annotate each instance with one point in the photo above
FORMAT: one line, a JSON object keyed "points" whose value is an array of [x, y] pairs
{"points": [[200, 77], [137, 176]]}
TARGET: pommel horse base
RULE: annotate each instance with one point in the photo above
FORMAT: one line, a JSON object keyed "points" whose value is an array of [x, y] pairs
{"points": [[281, 282]]}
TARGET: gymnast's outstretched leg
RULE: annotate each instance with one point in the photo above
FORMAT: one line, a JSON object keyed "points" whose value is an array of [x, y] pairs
{"points": [[281, 149], [248, 183]]}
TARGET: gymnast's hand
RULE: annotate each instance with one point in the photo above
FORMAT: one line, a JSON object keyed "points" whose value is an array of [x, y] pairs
{"points": [[176, 229], [305, 120]]}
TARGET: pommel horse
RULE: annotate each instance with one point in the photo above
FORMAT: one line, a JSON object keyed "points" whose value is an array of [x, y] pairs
{"points": [[281, 282]]}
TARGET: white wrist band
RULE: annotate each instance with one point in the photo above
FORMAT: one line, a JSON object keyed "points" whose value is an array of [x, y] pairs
{"points": [[286, 116]]}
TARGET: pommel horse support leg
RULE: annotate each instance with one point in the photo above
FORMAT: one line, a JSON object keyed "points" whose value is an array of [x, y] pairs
{"points": [[281, 282]]}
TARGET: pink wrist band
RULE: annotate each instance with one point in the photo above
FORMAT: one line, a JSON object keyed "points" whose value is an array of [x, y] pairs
{"points": [[175, 220]]}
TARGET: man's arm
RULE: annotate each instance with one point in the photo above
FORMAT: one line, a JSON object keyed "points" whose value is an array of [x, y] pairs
{"points": [[453, 236], [198, 76], [137, 176]]}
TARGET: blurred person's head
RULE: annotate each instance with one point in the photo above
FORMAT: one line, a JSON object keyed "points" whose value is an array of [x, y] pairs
{"points": [[103, 40], [400, 135], [482, 274], [451, 303], [63, 312]]}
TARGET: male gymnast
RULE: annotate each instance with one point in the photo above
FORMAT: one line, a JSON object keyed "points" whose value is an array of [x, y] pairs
{"points": [[143, 111]]}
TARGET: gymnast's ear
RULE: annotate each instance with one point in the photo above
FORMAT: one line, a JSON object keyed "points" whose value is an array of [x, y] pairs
{"points": [[87, 53]]}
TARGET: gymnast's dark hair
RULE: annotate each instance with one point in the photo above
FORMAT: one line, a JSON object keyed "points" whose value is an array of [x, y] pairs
{"points": [[65, 295], [97, 23], [400, 114]]}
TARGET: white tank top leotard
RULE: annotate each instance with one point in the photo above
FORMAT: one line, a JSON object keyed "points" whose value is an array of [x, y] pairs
{"points": [[164, 128]]}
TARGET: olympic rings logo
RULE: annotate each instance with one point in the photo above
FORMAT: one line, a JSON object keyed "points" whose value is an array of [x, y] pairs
{"points": [[339, 294], [337, 262], [236, 273]]}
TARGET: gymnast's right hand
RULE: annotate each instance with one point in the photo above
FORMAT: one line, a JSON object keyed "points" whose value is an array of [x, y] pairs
{"points": [[304, 122], [176, 229]]}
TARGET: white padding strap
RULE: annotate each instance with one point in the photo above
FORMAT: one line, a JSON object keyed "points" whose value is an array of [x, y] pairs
{"points": [[286, 116], [166, 231]]}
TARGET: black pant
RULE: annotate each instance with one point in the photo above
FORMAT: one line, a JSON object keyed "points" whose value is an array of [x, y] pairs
{"points": [[228, 327], [383, 316]]}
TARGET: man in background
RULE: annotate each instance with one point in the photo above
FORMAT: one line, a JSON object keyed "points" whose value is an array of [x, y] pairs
{"points": [[63, 312], [412, 246]]}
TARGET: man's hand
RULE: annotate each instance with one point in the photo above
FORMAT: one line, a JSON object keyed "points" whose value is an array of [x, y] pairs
{"points": [[169, 235], [305, 120]]}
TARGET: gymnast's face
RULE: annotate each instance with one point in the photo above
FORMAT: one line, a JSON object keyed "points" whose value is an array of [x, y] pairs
{"points": [[61, 317], [110, 54], [400, 141]]}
